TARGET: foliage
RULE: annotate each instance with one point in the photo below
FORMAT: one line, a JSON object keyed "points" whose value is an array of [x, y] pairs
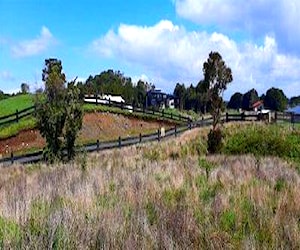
{"points": [[115, 83], [216, 78], [294, 101], [235, 101], [59, 115], [275, 99], [3, 95], [193, 98], [249, 98], [24, 88], [214, 142], [260, 140]]}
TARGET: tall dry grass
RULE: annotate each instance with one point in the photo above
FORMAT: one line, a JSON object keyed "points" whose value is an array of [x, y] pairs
{"points": [[166, 195]]}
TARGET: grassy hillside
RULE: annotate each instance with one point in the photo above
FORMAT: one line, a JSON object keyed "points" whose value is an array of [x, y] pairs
{"points": [[10, 105], [154, 196]]}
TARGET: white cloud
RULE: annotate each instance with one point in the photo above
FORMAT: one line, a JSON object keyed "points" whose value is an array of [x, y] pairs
{"points": [[6, 76], [168, 54], [257, 17], [34, 46]]}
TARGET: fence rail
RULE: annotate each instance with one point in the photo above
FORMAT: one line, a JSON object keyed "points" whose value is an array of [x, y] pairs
{"points": [[271, 117], [20, 114], [118, 143], [15, 117]]}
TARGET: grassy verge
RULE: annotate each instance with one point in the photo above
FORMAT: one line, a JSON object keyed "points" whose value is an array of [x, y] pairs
{"points": [[114, 110], [263, 140], [157, 196], [10, 105], [13, 129]]}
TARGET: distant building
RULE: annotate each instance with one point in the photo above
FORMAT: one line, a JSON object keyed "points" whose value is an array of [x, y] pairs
{"points": [[257, 106], [295, 110], [158, 99]]}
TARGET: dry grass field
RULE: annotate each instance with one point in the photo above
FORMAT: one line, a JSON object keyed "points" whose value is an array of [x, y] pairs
{"points": [[167, 195]]}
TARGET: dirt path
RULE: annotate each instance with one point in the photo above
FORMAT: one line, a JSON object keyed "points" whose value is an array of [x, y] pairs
{"points": [[102, 126]]}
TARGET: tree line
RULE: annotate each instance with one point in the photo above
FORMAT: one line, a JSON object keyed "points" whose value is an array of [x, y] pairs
{"points": [[274, 99]]}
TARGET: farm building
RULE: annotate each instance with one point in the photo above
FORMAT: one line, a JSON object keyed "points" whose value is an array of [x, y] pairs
{"points": [[157, 98]]}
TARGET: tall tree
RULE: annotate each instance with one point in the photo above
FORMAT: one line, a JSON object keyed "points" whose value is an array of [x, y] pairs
{"points": [[216, 78], [249, 98], [235, 101], [180, 93], [275, 99], [294, 101], [24, 88], [59, 112]]}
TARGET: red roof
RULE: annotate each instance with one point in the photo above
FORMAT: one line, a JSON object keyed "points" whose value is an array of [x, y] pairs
{"points": [[257, 104]]}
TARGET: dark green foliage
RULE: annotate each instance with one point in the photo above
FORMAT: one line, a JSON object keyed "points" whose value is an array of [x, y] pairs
{"points": [[3, 95], [263, 141], [24, 88], [249, 98], [115, 83], [192, 98], [214, 142], [275, 99], [180, 93], [294, 101], [235, 101], [74, 114], [59, 112], [216, 78]]}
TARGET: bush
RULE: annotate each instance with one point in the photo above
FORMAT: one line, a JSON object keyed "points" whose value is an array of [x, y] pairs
{"points": [[263, 141], [214, 143]]}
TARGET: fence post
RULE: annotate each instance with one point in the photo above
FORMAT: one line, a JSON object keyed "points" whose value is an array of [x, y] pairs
{"points": [[96, 99], [144, 109], [227, 117], [175, 130], [109, 102], [122, 105], [243, 116], [12, 157], [120, 142], [140, 137], [190, 125], [98, 144], [17, 116], [292, 118], [163, 113], [275, 116], [132, 107], [158, 135], [171, 116]]}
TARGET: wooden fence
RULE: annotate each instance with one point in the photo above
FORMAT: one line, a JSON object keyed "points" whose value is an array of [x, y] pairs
{"points": [[19, 114], [274, 117], [98, 145]]}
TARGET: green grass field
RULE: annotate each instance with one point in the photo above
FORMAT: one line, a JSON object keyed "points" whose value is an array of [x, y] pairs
{"points": [[10, 105]]}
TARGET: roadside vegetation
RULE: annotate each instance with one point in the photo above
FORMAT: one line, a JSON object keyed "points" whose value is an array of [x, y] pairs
{"points": [[160, 195]]}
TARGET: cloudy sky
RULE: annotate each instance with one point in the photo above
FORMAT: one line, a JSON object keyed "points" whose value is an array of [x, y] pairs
{"points": [[161, 41]]}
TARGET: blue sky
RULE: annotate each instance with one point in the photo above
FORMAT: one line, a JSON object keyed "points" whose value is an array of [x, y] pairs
{"points": [[161, 41]]}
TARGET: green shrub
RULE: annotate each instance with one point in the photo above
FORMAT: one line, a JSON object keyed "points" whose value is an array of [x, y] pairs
{"points": [[260, 140], [214, 142]]}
